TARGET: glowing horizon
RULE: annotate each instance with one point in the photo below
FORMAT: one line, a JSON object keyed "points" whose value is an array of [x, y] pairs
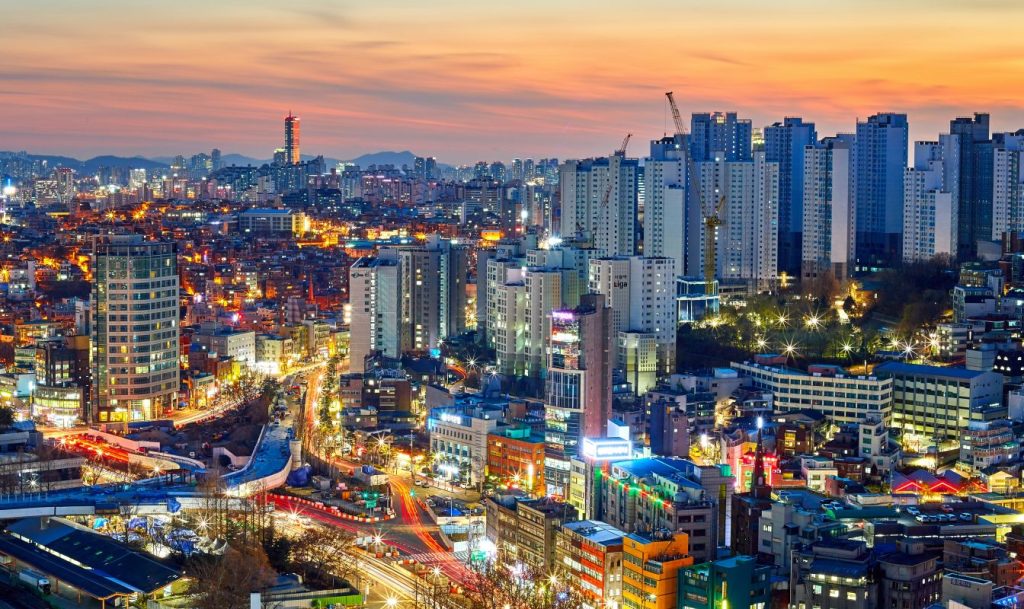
{"points": [[467, 81]]}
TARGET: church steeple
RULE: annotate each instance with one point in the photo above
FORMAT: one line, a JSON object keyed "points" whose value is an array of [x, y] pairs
{"points": [[759, 486]]}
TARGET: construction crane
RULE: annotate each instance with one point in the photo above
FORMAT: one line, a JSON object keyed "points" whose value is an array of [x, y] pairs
{"points": [[620, 152], [712, 215]]}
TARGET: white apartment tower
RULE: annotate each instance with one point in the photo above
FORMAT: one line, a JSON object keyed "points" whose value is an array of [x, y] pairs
{"points": [[375, 293], [640, 292], [665, 213], [599, 203], [827, 210], [1007, 184], [927, 203], [747, 240]]}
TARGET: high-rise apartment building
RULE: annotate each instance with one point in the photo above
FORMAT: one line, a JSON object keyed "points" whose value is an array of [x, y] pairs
{"points": [[135, 330], [375, 294], [974, 183], [579, 384], [747, 240], [785, 143], [720, 135], [665, 210], [641, 293], [291, 139], [826, 236], [433, 292], [928, 202], [879, 158], [599, 203], [1007, 184]]}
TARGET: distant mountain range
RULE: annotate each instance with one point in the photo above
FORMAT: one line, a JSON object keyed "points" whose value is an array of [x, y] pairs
{"points": [[93, 164], [161, 163]]}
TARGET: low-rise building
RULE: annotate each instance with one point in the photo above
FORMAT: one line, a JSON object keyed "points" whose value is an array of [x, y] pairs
{"points": [[643, 495], [938, 402], [458, 435], [738, 581], [834, 573], [515, 457], [590, 552], [650, 569], [987, 443], [843, 398]]}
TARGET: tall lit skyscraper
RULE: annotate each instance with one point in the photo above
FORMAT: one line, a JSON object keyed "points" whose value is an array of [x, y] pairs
{"points": [[134, 328], [291, 139], [784, 143], [879, 158], [974, 184]]}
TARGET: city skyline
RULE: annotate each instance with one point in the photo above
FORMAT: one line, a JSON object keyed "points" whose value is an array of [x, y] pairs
{"points": [[464, 83]]}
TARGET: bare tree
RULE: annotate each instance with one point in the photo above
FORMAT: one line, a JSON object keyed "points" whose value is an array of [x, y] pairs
{"points": [[225, 582], [498, 586], [326, 554]]}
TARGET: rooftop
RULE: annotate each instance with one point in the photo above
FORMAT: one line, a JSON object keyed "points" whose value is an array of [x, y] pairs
{"points": [[596, 531], [902, 368]]}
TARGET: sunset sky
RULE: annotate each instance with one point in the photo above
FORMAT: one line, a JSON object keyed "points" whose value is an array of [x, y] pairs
{"points": [[469, 80]]}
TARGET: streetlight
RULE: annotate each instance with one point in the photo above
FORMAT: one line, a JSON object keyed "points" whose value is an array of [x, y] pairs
{"points": [[392, 602]]}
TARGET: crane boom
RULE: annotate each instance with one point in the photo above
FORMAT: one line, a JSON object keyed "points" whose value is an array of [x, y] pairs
{"points": [[676, 117], [620, 152]]}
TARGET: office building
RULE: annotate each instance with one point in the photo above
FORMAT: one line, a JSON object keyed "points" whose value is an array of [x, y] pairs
{"points": [[785, 143], [579, 384], [879, 160], [827, 220], [928, 202], [650, 569], [135, 329], [747, 240], [599, 203], [375, 292], [291, 139], [844, 398], [720, 136], [590, 552], [515, 457], [974, 171], [526, 531], [281, 223], [459, 435], [738, 582], [934, 403]]}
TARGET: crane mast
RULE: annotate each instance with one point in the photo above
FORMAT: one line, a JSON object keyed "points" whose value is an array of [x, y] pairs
{"points": [[711, 214]]}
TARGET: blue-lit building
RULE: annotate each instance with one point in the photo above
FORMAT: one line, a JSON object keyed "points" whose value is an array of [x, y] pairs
{"points": [[879, 159], [784, 143], [974, 167]]}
